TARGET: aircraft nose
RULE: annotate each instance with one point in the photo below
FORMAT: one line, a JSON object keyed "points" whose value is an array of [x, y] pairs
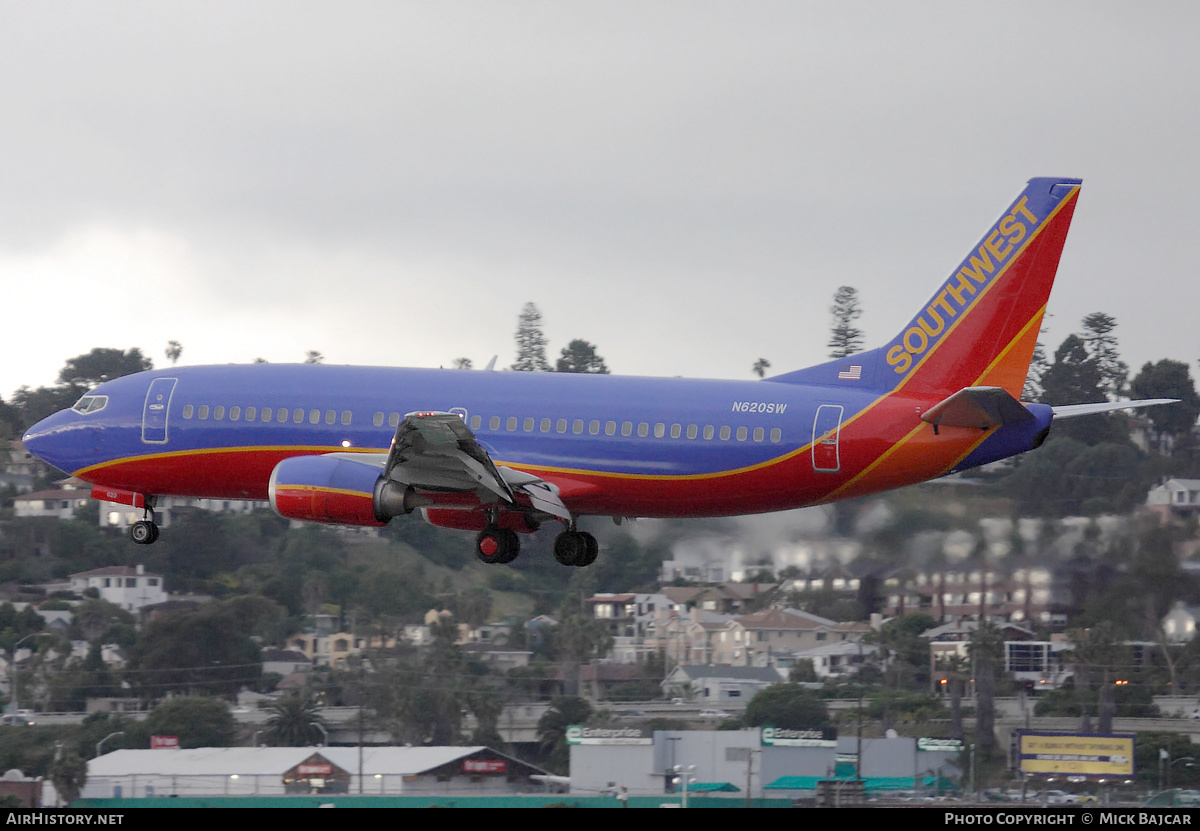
{"points": [[47, 441]]}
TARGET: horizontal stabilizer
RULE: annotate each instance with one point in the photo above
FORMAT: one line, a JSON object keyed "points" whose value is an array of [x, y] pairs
{"points": [[1074, 410], [978, 407]]}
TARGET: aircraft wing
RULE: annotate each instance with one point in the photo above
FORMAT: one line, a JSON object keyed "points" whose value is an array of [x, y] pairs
{"points": [[435, 452], [1074, 410]]}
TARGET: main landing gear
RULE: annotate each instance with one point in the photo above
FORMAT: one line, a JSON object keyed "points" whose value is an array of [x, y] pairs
{"points": [[502, 545], [144, 531], [497, 545], [576, 548]]}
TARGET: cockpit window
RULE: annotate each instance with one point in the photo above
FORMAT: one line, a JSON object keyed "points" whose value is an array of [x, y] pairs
{"points": [[91, 404]]}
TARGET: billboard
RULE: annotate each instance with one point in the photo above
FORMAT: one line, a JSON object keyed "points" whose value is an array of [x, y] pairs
{"points": [[1075, 754]]}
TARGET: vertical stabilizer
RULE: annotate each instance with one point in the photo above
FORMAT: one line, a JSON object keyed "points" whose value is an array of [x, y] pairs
{"points": [[981, 325]]}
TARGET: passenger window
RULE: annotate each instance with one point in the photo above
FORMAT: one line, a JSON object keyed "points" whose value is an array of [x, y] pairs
{"points": [[494, 423], [298, 415], [511, 423], [394, 420], [188, 410], [281, 415], [545, 425], [776, 435], [377, 419], [594, 427], [251, 413], [561, 425], [347, 417], [759, 433], [577, 426], [725, 432], [676, 431], [475, 422], [693, 431], [235, 413], [643, 429], [660, 430], [218, 412], [528, 424], [626, 428], [266, 415], [741, 434], [314, 416], [708, 432], [330, 417], [203, 412]]}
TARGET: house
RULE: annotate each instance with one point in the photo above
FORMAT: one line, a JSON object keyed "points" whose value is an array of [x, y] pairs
{"points": [[719, 685], [752, 640], [130, 588], [59, 503], [1175, 499]]}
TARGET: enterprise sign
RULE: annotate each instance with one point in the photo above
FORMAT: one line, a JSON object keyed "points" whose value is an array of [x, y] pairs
{"points": [[578, 734], [810, 737]]}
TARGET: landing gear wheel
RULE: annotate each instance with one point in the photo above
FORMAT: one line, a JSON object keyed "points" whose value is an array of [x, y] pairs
{"points": [[591, 550], [143, 532], [575, 548], [497, 545]]}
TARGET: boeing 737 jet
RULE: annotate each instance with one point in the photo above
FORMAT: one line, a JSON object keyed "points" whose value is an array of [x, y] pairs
{"points": [[502, 453]]}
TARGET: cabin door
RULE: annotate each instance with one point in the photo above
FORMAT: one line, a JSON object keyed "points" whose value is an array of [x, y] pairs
{"points": [[827, 426], [154, 414]]}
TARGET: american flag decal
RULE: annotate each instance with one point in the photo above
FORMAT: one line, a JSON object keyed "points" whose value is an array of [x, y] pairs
{"points": [[854, 373]]}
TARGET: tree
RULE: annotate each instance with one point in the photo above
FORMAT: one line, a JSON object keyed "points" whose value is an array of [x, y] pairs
{"points": [[173, 351], [1168, 379], [462, 363], [198, 721], [1101, 346], [294, 721], [760, 367], [200, 651], [987, 653], [312, 356], [68, 772], [531, 343], [100, 365], [786, 705], [552, 728], [844, 338], [580, 356]]}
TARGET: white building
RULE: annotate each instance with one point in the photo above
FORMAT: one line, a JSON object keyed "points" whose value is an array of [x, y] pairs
{"points": [[130, 588]]}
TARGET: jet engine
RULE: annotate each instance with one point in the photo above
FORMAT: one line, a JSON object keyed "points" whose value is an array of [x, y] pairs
{"points": [[327, 489]]}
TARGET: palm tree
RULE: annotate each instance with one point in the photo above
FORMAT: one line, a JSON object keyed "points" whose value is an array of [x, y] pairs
{"points": [[295, 721], [552, 728], [987, 652]]}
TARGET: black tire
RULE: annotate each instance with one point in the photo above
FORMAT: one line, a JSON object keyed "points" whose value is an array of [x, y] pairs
{"points": [[143, 532], [512, 545], [590, 552], [489, 546], [570, 548]]}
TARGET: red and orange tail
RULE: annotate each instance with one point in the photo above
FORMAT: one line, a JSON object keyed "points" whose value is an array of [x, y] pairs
{"points": [[981, 326]]}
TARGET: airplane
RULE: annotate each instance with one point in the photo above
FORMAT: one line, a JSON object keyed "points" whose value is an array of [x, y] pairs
{"points": [[502, 453]]}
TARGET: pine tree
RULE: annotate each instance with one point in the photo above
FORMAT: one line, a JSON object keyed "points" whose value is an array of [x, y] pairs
{"points": [[844, 338], [531, 343], [1101, 346]]}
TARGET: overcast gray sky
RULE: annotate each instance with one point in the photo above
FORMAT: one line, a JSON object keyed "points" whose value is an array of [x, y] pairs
{"points": [[684, 184]]}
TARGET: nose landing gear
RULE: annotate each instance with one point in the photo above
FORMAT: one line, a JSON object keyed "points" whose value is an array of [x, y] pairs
{"points": [[144, 531]]}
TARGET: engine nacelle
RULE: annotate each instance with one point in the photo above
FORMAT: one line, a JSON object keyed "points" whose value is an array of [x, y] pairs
{"points": [[325, 489]]}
